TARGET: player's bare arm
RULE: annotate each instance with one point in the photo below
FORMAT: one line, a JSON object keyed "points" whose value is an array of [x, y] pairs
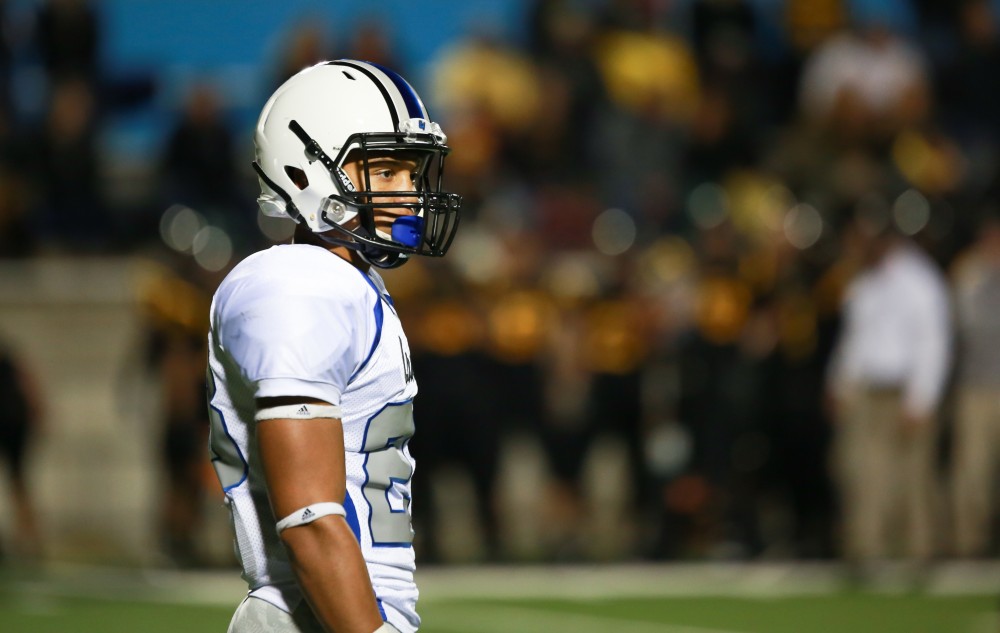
{"points": [[303, 462]]}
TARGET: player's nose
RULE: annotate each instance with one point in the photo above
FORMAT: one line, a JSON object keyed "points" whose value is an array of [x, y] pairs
{"points": [[405, 185]]}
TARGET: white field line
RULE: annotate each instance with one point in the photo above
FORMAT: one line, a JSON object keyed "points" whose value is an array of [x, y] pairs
{"points": [[500, 619]]}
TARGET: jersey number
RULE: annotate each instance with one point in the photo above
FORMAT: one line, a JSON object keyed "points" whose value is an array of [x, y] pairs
{"points": [[388, 469]]}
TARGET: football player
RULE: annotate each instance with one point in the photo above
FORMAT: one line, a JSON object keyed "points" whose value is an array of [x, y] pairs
{"points": [[310, 380]]}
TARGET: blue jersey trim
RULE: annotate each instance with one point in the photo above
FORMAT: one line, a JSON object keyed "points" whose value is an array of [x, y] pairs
{"points": [[352, 517], [225, 427], [381, 609], [379, 318]]}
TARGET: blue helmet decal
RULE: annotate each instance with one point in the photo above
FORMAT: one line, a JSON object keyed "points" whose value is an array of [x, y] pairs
{"points": [[414, 107]]}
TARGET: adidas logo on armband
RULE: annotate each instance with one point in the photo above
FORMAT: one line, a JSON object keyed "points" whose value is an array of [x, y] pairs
{"points": [[306, 515]]}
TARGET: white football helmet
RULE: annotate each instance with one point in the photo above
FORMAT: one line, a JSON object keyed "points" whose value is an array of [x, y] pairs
{"points": [[326, 112]]}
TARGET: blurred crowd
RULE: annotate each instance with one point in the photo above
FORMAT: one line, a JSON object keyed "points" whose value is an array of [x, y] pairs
{"points": [[669, 207]]}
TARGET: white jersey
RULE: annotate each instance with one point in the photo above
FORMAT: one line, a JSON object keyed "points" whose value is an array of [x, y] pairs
{"points": [[297, 320]]}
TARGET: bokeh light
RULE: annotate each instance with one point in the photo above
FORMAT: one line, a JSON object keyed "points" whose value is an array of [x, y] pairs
{"points": [[212, 248], [803, 226], [613, 232], [911, 212], [179, 225], [708, 205]]}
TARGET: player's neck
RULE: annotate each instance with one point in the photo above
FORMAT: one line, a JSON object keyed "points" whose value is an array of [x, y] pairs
{"points": [[350, 255]]}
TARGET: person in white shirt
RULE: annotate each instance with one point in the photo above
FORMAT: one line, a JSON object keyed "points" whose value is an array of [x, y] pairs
{"points": [[311, 386], [871, 70], [886, 381]]}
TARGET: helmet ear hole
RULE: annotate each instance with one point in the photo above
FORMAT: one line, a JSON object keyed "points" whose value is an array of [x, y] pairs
{"points": [[297, 176]]}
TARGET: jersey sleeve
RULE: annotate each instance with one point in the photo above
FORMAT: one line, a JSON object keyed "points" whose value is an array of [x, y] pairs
{"points": [[295, 341]]}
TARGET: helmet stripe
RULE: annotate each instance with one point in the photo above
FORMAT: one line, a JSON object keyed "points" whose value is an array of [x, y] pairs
{"points": [[385, 93], [414, 107]]}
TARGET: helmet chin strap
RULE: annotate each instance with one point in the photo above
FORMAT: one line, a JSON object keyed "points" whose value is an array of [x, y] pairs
{"points": [[371, 255], [378, 257]]}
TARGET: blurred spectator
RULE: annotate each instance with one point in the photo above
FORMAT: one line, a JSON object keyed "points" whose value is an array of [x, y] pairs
{"points": [[180, 357], [20, 422], [969, 97], [69, 185], [792, 359], [199, 162], [885, 383], [614, 354], [307, 43], [634, 15], [458, 428], [834, 163], [652, 80], [519, 323], [490, 95], [480, 173], [566, 435], [558, 146], [17, 239], [594, 380], [872, 70], [483, 74], [6, 65], [804, 25], [69, 40], [371, 41], [652, 74], [719, 142], [716, 409], [725, 34], [176, 310], [937, 22], [976, 433], [810, 22]]}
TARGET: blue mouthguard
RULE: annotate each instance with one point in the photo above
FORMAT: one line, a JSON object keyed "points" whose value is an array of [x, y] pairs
{"points": [[408, 230]]}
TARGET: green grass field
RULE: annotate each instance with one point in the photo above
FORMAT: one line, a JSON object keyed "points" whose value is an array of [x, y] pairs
{"points": [[456, 602]]}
